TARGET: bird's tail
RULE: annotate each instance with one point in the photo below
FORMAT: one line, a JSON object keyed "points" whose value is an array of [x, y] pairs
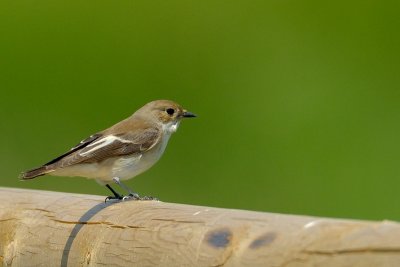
{"points": [[34, 173]]}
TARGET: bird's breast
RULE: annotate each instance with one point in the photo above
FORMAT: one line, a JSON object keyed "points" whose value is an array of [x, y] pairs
{"points": [[131, 166]]}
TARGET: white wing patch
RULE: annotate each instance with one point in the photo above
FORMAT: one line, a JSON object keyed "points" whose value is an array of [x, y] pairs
{"points": [[99, 144]]}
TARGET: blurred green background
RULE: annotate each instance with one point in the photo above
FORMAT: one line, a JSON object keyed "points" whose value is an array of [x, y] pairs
{"points": [[298, 101]]}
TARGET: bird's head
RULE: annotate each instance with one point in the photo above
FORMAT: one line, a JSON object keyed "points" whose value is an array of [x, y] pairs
{"points": [[165, 112]]}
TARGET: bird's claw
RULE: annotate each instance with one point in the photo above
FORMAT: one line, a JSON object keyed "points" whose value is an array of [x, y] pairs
{"points": [[135, 196], [132, 196], [112, 198]]}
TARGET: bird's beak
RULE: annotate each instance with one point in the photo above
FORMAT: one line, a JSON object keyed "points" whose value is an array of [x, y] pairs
{"points": [[187, 114]]}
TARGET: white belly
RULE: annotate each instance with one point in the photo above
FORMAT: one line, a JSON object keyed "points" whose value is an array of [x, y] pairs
{"points": [[129, 167]]}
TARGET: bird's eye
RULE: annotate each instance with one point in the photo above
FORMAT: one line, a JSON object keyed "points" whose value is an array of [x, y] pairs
{"points": [[170, 111]]}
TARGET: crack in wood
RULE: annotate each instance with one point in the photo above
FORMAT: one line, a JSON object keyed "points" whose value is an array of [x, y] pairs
{"points": [[43, 210], [177, 221], [8, 219], [99, 223], [352, 251]]}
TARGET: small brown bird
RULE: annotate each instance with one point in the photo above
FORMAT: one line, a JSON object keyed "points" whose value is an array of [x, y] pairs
{"points": [[122, 151]]}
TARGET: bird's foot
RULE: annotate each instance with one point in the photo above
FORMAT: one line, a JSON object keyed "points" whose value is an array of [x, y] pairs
{"points": [[149, 198], [131, 196], [135, 196], [116, 196], [119, 197]]}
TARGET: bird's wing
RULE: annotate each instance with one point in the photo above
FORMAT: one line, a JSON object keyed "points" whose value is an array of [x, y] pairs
{"points": [[109, 146], [82, 144]]}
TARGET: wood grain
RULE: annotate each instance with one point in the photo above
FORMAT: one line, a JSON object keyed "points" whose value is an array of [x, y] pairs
{"points": [[40, 228]]}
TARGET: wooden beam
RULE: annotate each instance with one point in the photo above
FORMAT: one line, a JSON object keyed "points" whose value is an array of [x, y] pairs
{"points": [[40, 228]]}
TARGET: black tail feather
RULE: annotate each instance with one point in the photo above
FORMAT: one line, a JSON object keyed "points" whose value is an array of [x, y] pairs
{"points": [[33, 173]]}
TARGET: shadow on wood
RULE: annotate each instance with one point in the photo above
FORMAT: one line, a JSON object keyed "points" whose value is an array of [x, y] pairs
{"points": [[60, 229]]}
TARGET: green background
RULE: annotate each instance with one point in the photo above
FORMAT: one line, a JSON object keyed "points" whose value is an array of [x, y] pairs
{"points": [[298, 101]]}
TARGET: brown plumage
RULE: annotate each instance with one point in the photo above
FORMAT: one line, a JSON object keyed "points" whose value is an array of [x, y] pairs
{"points": [[122, 151]]}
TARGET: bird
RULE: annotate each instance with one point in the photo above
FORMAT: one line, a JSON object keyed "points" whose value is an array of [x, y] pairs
{"points": [[120, 152]]}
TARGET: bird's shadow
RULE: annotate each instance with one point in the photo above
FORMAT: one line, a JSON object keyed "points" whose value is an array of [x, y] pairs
{"points": [[81, 222]]}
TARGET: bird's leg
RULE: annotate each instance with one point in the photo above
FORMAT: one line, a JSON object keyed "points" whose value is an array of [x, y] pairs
{"points": [[132, 194], [116, 195], [124, 186]]}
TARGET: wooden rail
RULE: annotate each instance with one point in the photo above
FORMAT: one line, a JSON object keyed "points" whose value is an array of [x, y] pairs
{"points": [[40, 228]]}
